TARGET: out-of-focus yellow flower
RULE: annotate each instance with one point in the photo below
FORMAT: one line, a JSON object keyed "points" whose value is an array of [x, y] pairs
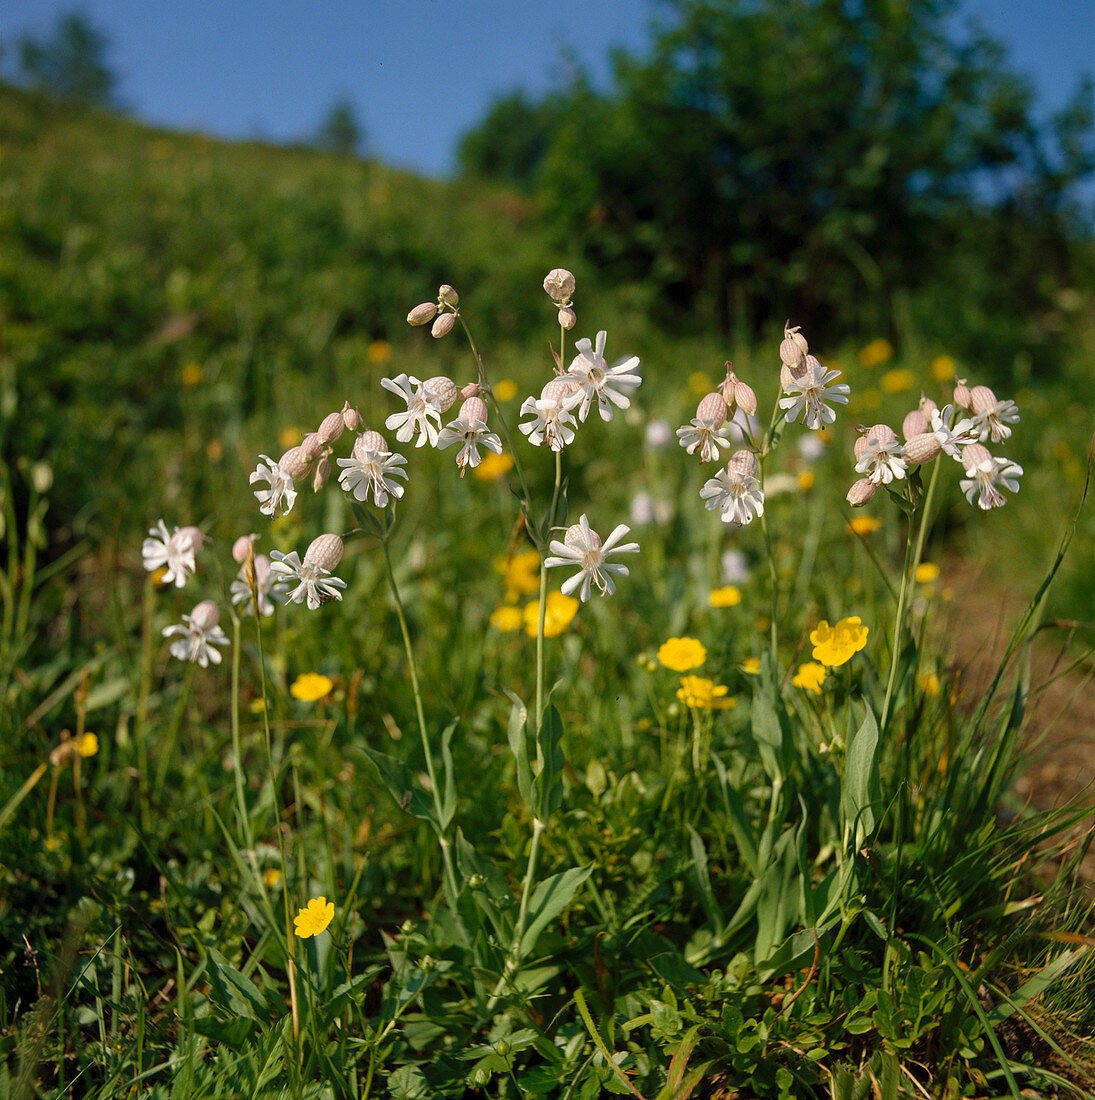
{"points": [[191, 374], [271, 876], [314, 917], [289, 437], [682, 654], [558, 614], [52, 843], [699, 383], [750, 666], [864, 525], [898, 381], [875, 353], [257, 706], [727, 596], [506, 618], [520, 574], [834, 645], [943, 368], [926, 572], [762, 624], [88, 745], [156, 578], [704, 694], [806, 480], [505, 389], [809, 677], [311, 686], [379, 351], [493, 467], [929, 684]]}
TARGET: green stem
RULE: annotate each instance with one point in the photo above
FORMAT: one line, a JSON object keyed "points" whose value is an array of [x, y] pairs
{"points": [[144, 694], [237, 752], [543, 596]]}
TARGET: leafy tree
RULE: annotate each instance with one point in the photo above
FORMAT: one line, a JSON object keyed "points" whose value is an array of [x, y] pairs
{"points": [[71, 63], [340, 131], [510, 143]]}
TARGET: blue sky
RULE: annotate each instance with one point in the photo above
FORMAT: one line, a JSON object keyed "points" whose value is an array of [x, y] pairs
{"points": [[420, 72]]}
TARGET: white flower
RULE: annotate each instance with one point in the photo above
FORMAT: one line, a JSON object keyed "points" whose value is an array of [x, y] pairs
{"points": [[175, 551], [583, 547], [735, 567], [735, 491], [602, 383], [372, 467], [315, 584], [647, 509], [658, 435], [808, 393], [994, 421], [703, 433], [984, 473], [951, 435], [270, 589], [197, 635], [882, 458], [278, 499], [471, 428], [422, 416], [551, 420]]}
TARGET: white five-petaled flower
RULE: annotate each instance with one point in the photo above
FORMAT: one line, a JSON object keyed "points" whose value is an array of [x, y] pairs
{"points": [[995, 420], [735, 491], [175, 551], [582, 546], [268, 588], [882, 456], [372, 467], [550, 424], [315, 585], [606, 385], [197, 635], [951, 434], [984, 473], [470, 428], [278, 499], [808, 392], [422, 416], [709, 430]]}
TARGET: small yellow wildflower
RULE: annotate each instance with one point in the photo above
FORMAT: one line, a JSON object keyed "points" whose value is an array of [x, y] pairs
{"points": [[704, 694], [727, 596], [763, 623], [505, 389], [875, 353], [271, 876], [52, 843], [379, 351], [929, 684], [314, 917], [557, 616], [493, 467], [806, 480], [682, 654], [834, 645], [943, 368], [926, 572], [863, 525], [289, 437], [88, 745], [506, 618], [750, 666], [520, 573], [809, 677], [311, 686], [257, 706], [191, 374], [699, 383], [898, 381]]}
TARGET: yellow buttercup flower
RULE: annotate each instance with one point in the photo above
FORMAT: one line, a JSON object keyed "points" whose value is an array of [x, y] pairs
{"points": [[810, 677], [272, 876], [314, 917], [875, 353], [505, 389], [898, 381], [311, 686], [943, 368], [191, 374], [379, 351], [727, 596], [493, 467], [289, 437], [929, 684], [834, 645], [704, 694], [557, 616], [805, 480], [926, 572], [864, 525], [506, 618], [682, 654], [88, 745], [520, 573], [751, 666], [699, 383]]}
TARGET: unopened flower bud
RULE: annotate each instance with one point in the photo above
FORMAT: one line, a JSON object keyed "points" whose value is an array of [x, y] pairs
{"points": [[351, 418], [559, 285], [861, 492], [447, 295], [745, 397], [915, 423], [369, 441], [440, 391], [312, 446], [962, 396], [791, 354], [927, 406], [472, 389], [982, 400], [193, 535], [567, 318], [712, 410], [326, 552], [560, 388], [321, 474], [443, 325], [243, 547], [744, 463], [205, 615], [294, 463], [422, 314], [474, 408], [921, 448], [332, 427], [974, 454]]}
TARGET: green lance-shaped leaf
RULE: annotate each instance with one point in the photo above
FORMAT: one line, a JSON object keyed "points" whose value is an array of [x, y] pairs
{"points": [[231, 992], [547, 787], [861, 790], [448, 791], [548, 900], [396, 776], [518, 744]]}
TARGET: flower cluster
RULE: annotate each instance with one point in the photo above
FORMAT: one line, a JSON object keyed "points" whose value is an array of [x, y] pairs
{"points": [[807, 385], [836, 645]]}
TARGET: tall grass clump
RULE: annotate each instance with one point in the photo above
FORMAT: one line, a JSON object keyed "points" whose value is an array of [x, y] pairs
{"points": [[468, 788]]}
